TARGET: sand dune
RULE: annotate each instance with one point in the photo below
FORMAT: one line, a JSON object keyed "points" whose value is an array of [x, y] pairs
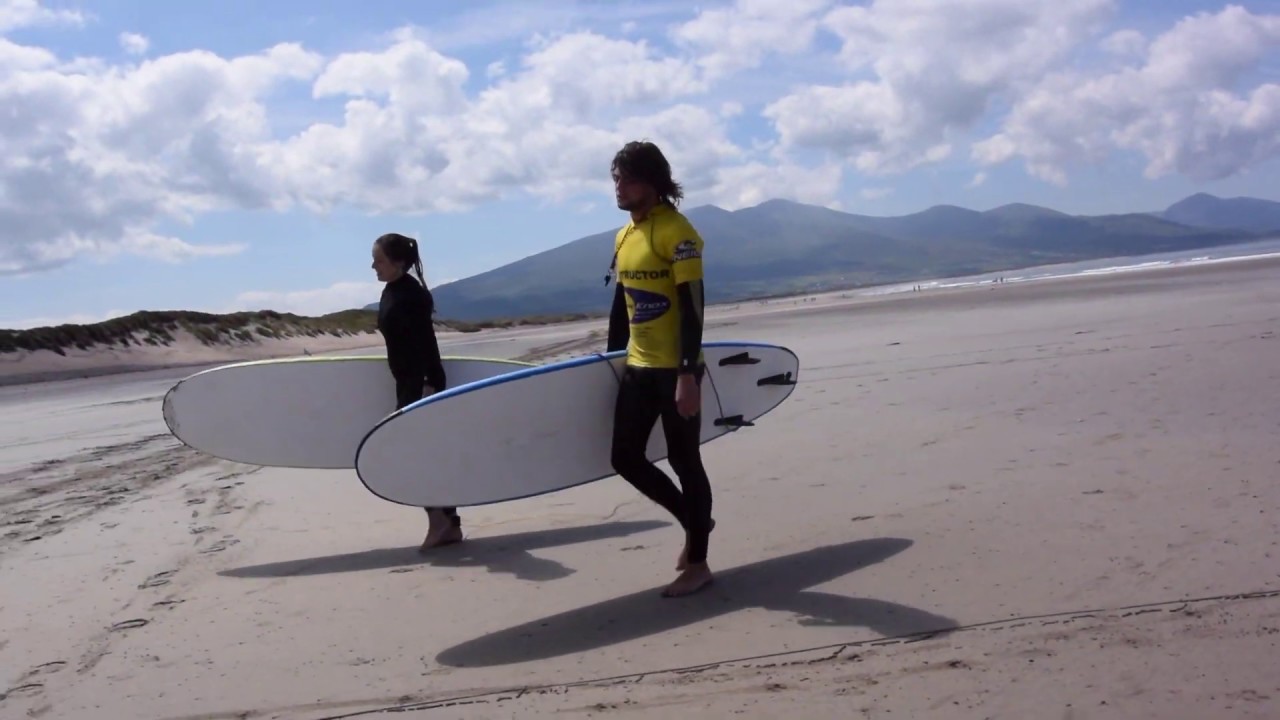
{"points": [[186, 352], [1051, 500]]}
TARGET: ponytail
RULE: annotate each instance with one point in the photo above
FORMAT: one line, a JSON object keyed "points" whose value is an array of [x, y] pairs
{"points": [[417, 267], [416, 261]]}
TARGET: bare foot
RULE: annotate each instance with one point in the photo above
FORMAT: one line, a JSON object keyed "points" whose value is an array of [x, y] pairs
{"points": [[693, 579], [444, 535], [683, 561]]}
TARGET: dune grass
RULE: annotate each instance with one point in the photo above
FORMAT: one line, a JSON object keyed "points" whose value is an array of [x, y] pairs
{"points": [[160, 328]]}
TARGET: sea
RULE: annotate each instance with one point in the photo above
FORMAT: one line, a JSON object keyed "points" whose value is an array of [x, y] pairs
{"points": [[1105, 266]]}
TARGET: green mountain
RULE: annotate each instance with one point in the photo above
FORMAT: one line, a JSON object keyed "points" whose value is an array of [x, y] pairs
{"points": [[781, 247], [1242, 213]]}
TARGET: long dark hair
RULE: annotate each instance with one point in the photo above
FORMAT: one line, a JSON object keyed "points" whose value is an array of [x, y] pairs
{"points": [[403, 251], [643, 161]]}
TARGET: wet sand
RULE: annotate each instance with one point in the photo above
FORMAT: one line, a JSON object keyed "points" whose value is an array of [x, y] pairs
{"points": [[1051, 500]]}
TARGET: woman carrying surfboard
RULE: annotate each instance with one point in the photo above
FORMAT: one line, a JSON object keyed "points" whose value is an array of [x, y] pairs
{"points": [[413, 354], [657, 318]]}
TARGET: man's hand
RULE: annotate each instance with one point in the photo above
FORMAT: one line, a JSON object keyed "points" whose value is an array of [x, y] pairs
{"points": [[688, 395]]}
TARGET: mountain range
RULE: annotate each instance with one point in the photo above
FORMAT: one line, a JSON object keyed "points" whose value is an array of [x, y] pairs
{"points": [[781, 247]]}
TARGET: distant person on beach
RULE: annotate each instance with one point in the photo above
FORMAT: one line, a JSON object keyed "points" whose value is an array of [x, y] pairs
{"points": [[657, 317], [413, 354]]}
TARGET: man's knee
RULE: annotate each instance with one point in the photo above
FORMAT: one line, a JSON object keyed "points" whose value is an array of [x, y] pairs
{"points": [[625, 458]]}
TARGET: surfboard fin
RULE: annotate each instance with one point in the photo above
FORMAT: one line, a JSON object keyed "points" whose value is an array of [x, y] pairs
{"points": [[742, 358], [734, 421], [779, 379]]}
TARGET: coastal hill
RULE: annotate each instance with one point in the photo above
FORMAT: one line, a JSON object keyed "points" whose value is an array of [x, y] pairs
{"points": [[781, 247], [775, 248], [1242, 213]]}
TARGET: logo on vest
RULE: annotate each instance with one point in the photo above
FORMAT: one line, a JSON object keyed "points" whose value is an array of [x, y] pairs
{"points": [[687, 250], [649, 306]]}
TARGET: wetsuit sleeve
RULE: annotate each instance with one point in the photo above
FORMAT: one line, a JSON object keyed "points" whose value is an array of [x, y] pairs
{"points": [[692, 300], [427, 346], [619, 327], [686, 261]]}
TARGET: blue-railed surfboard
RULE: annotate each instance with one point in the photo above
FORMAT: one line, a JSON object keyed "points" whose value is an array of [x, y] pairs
{"points": [[546, 428]]}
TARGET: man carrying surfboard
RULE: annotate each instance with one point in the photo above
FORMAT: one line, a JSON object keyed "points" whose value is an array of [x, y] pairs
{"points": [[657, 318]]}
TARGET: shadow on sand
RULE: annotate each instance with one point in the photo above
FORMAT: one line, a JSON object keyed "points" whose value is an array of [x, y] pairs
{"points": [[776, 584], [500, 554]]}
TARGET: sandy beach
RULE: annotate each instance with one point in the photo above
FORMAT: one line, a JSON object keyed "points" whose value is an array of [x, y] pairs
{"points": [[1048, 500]]}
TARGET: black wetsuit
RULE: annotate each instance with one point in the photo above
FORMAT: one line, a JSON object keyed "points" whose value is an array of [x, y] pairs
{"points": [[413, 354], [661, 271]]}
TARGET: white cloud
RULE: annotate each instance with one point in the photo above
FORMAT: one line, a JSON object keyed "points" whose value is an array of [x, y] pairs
{"points": [[133, 43], [936, 67], [742, 36], [14, 57], [1179, 107], [412, 141], [492, 23], [739, 186], [17, 14], [1125, 43], [347, 295], [92, 158], [319, 301], [54, 321], [409, 74]]}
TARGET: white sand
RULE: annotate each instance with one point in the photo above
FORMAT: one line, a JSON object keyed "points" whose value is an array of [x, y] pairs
{"points": [[1077, 479]]}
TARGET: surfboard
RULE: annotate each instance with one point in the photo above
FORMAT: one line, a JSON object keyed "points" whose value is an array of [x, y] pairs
{"points": [[547, 428], [301, 412]]}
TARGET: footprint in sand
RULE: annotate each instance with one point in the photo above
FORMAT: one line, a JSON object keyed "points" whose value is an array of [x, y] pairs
{"points": [[161, 578], [47, 668], [27, 689], [219, 546]]}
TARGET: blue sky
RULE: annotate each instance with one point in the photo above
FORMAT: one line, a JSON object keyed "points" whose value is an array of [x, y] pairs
{"points": [[189, 166]]}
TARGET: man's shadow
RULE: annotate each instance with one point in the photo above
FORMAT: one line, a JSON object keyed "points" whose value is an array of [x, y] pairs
{"points": [[500, 554], [777, 584]]}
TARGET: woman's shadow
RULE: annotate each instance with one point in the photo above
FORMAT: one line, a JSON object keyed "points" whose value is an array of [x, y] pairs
{"points": [[500, 554], [777, 584]]}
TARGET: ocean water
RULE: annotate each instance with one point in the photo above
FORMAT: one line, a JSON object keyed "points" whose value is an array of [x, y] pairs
{"points": [[1103, 266]]}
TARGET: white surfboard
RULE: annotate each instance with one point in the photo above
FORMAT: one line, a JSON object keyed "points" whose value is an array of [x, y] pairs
{"points": [[543, 429], [305, 412]]}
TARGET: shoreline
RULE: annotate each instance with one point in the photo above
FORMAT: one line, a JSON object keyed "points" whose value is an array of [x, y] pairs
{"points": [[189, 353]]}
